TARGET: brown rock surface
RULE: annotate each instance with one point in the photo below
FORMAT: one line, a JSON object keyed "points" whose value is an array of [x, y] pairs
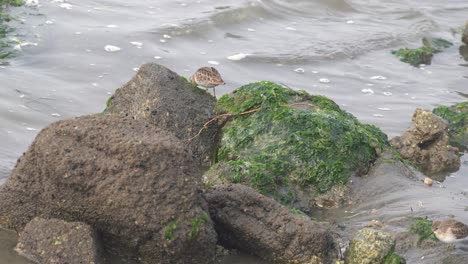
{"points": [[57, 241], [427, 144], [160, 97], [256, 224], [132, 178]]}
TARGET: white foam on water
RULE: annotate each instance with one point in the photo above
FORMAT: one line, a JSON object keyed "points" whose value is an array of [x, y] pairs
{"points": [[378, 77], [112, 26], [367, 91], [299, 70], [213, 62], [136, 43], [66, 6], [237, 57], [324, 80], [111, 48]]}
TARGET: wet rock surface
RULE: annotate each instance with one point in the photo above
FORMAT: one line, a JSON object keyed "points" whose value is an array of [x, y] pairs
{"points": [[370, 246], [162, 98], [457, 118], [133, 180], [426, 144], [57, 241], [256, 224], [465, 34]]}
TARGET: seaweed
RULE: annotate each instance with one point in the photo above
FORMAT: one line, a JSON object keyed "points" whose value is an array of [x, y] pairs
{"points": [[290, 138]]}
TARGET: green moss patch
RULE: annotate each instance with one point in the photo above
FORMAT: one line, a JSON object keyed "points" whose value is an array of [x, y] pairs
{"points": [[196, 225], [280, 140], [424, 54], [169, 234], [457, 117], [393, 258], [6, 44], [422, 228]]}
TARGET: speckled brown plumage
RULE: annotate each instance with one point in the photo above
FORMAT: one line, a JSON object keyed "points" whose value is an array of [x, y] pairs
{"points": [[449, 230], [207, 77]]}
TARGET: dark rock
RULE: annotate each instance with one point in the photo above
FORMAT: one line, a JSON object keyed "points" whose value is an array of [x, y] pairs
{"points": [[256, 224], [427, 144], [164, 99], [137, 185], [57, 241]]}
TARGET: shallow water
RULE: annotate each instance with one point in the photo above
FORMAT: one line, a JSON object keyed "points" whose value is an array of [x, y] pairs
{"points": [[337, 48]]}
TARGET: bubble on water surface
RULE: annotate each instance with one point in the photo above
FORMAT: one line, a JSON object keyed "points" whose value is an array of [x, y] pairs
{"points": [[112, 26], [378, 77], [136, 43], [299, 70], [290, 28], [387, 93], [324, 80], [49, 22], [213, 62], [66, 6], [251, 29], [157, 57], [31, 129], [378, 115], [166, 36], [110, 48], [384, 108], [367, 91], [350, 22], [55, 115], [237, 57]]}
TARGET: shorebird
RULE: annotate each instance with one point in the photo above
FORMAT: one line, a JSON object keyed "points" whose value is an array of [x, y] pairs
{"points": [[450, 230], [207, 77]]}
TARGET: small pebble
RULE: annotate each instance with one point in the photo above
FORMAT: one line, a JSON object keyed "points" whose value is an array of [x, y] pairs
{"points": [[428, 181]]}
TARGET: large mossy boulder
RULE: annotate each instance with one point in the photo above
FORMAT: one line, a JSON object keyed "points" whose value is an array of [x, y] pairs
{"points": [[290, 145], [370, 246], [58, 241], [256, 224], [426, 144], [457, 118]]}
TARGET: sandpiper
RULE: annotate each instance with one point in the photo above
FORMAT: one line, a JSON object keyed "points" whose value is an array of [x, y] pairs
{"points": [[207, 77], [450, 230]]}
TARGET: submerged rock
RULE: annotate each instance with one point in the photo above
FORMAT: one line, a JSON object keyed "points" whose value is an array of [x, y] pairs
{"points": [[457, 118], [290, 145], [57, 241], [465, 34], [370, 246], [256, 224], [122, 172], [427, 144], [424, 54], [160, 97]]}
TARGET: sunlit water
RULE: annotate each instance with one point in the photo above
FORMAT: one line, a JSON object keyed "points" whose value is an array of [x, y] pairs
{"points": [[336, 48]]}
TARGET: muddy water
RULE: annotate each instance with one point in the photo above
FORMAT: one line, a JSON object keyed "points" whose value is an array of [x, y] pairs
{"points": [[337, 48]]}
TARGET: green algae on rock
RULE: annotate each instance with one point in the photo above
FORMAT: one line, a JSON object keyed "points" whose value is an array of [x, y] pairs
{"points": [[370, 246], [457, 117], [7, 44], [424, 54], [289, 142], [422, 228]]}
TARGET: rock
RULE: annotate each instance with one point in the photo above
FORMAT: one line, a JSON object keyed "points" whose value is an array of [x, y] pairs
{"points": [[297, 148], [427, 144], [57, 241], [428, 181], [256, 224], [463, 50], [162, 98], [465, 34], [424, 54], [457, 118], [370, 247], [136, 184]]}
